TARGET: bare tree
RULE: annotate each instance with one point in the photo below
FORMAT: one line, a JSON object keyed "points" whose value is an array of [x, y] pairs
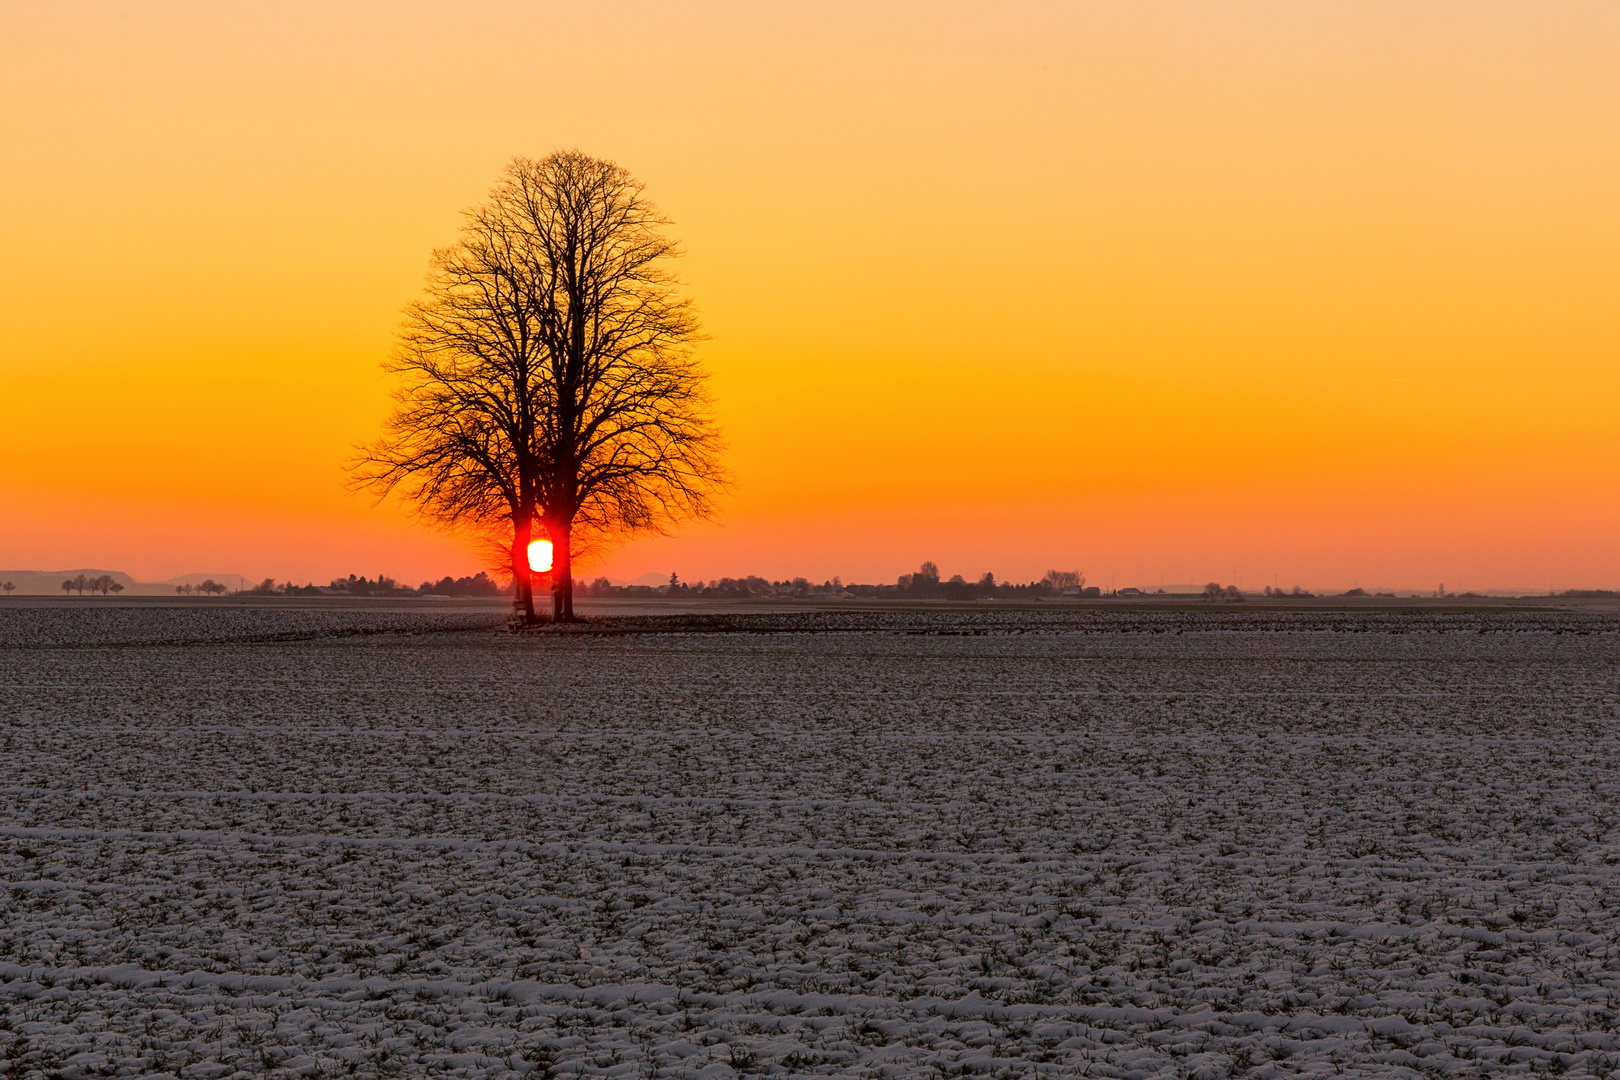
{"points": [[8, 586], [548, 373]]}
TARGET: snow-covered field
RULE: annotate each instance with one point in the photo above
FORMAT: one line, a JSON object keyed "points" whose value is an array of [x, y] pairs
{"points": [[262, 843]]}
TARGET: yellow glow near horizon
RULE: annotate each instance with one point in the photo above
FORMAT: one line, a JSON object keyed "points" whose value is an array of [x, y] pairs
{"points": [[1323, 293]]}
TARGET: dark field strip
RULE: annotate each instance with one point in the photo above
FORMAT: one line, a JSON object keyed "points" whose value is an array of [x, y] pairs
{"points": [[93, 626]]}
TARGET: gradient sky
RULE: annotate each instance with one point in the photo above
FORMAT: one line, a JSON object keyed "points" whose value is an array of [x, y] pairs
{"points": [[1300, 293]]}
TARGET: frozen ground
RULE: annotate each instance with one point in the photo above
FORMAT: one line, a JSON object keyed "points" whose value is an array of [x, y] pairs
{"points": [[278, 843]]}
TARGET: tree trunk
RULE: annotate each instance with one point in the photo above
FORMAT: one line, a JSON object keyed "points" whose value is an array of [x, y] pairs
{"points": [[522, 578], [562, 574]]}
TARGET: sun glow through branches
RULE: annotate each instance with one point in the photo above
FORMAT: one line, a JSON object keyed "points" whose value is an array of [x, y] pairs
{"points": [[540, 556]]}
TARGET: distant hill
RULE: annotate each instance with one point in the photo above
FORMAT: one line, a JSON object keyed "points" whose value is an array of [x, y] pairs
{"points": [[49, 582]]}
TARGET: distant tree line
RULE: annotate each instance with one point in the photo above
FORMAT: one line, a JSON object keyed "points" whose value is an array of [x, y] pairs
{"points": [[925, 584], [1297, 593], [353, 585], [479, 584], [724, 588], [83, 584]]}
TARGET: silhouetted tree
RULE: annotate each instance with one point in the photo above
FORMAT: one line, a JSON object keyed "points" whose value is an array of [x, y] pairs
{"points": [[1058, 580], [102, 584], [548, 376], [8, 586], [67, 586]]}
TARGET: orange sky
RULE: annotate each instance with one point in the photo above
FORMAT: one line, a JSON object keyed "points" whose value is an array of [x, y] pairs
{"points": [[1319, 293]]}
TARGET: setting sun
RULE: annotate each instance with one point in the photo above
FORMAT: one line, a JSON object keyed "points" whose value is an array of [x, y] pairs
{"points": [[540, 556]]}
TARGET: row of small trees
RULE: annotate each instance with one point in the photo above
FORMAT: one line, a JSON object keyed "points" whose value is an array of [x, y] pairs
{"points": [[83, 584], [107, 585]]}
